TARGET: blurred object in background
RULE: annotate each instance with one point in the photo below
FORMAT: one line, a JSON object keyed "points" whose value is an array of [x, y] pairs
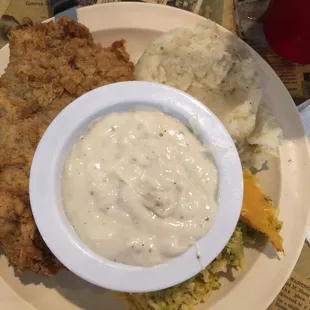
{"points": [[249, 18], [287, 29]]}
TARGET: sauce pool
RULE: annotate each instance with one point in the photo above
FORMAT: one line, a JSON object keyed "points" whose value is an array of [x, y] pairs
{"points": [[139, 187]]}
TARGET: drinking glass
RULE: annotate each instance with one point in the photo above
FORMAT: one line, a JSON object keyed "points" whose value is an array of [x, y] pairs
{"points": [[287, 29]]}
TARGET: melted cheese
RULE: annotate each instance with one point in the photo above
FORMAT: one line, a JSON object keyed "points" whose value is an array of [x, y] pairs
{"points": [[258, 211]]}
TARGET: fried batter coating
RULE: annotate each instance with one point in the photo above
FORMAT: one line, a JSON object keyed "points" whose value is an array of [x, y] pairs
{"points": [[50, 65]]}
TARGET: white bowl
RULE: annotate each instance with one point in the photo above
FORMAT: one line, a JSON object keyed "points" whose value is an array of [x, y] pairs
{"points": [[45, 186]]}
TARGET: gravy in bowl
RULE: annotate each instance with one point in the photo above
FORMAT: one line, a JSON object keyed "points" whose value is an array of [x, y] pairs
{"points": [[139, 187]]}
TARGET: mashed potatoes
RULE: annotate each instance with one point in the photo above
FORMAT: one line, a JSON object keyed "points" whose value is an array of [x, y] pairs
{"points": [[215, 69]]}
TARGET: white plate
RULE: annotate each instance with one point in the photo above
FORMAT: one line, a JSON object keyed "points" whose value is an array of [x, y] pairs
{"points": [[287, 182]]}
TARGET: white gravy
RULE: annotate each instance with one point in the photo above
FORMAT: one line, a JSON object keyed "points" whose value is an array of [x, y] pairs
{"points": [[139, 187]]}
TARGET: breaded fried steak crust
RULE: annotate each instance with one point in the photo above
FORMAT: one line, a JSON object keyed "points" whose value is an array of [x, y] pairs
{"points": [[50, 65]]}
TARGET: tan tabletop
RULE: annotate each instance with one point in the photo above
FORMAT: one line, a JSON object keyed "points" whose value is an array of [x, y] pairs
{"points": [[296, 293]]}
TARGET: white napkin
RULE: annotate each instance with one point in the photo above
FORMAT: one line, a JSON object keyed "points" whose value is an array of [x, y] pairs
{"points": [[304, 110]]}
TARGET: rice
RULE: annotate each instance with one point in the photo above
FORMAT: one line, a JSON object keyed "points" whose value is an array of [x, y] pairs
{"points": [[216, 69]]}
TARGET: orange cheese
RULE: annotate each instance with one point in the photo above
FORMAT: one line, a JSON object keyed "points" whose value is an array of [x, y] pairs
{"points": [[258, 211]]}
